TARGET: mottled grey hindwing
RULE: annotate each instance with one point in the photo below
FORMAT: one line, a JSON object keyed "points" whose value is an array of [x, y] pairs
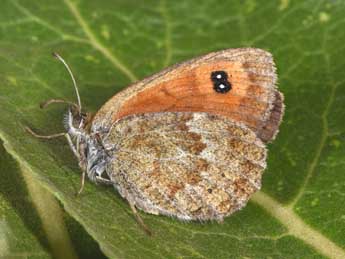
{"points": [[194, 166]]}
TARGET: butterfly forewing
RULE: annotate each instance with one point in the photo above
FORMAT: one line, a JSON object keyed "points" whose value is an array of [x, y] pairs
{"points": [[189, 87]]}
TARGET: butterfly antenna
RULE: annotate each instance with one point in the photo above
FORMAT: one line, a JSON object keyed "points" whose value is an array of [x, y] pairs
{"points": [[56, 55]]}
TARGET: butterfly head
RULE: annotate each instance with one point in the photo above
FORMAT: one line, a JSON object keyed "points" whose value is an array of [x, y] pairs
{"points": [[87, 146], [76, 120]]}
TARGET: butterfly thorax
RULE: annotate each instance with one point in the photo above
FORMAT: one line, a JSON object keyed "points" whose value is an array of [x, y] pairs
{"points": [[93, 156]]}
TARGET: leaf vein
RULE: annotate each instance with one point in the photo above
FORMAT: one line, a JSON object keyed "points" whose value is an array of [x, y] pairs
{"points": [[324, 135], [167, 40], [97, 44], [297, 227]]}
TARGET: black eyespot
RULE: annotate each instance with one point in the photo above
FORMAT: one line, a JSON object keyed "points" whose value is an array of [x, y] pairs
{"points": [[220, 82], [209, 190]]}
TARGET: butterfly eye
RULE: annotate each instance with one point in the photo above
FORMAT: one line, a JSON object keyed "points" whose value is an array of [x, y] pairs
{"points": [[220, 82]]}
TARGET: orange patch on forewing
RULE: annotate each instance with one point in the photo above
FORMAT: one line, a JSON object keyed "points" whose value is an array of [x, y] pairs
{"points": [[255, 90], [192, 90]]}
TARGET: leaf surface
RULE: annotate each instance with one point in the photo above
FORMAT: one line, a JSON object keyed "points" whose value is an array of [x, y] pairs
{"points": [[21, 232], [108, 44]]}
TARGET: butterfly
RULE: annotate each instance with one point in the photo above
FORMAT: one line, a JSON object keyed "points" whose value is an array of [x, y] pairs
{"points": [[189, 141]]}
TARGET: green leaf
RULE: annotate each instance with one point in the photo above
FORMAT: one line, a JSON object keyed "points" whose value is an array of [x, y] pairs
{"points": [[32, 222], [21, 233], [298, 214]]}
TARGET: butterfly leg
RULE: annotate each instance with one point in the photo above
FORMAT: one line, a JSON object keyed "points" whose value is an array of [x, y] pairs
{"points": [[57, 135], [139, 219], [82, 183], [50, 101], [103, 180], [72, 146], [76, 153], [29, 130], [82, 163]]}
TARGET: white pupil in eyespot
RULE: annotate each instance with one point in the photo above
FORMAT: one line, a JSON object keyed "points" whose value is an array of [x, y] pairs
{"points": [[219, 76], [221, 86]]}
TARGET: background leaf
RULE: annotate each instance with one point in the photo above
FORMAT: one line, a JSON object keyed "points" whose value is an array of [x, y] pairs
{"points": [[32, 223], [299, 212], [21, 233]]}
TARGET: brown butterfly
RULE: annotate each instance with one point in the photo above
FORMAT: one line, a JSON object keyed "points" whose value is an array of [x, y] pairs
{"points": [[187, 142]]}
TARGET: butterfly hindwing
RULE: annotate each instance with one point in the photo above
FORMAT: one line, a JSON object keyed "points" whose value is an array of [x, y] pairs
{"points": [[188, 165]]}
